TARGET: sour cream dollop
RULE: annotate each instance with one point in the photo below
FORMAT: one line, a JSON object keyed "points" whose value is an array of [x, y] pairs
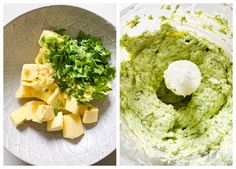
{"points": [[182, 77]]}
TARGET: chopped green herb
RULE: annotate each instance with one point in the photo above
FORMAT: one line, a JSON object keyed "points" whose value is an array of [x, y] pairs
{"points": [[221, 20], [163, 18], [198, 13], [150, 17], [222, 31], [183, 19], [57, 106], [56, 110], [81, 65], [168, 7], [134, 22], [177, 7], [223, 23], [208, 27], [40, 61]]}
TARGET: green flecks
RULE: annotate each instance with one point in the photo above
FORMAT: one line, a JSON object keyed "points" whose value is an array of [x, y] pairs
{"points": [[40, 61], [168, 7], [188, 12], [208, 27], [222, 31], [164, 6], [183, 19], [133, 22], [81, 65], [177, 7], [163, 18], [198, 13], [221, 20], [150, 17], [57, 107], [223, 24]]}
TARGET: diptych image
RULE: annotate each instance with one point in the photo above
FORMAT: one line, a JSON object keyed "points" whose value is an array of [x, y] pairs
{"points": [[118, 84]]}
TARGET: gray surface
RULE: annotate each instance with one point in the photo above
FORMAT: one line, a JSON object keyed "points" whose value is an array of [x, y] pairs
{"points": [[10, 159]]}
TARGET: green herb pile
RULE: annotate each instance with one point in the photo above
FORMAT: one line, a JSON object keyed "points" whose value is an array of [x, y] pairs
{"points": [[81, 65]]}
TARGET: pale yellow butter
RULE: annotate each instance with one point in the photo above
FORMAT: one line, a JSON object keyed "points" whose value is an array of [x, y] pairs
{"points": [[43, 113], [29, 72], [19, 116], [72, 105], [31, 108], [55, 124], [54, 98], [24, 92], [41, 59], [90, 115], [72, 126]]}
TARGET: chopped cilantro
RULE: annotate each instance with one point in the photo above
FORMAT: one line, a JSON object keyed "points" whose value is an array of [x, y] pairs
{"points": [[57, 106], [40, 61], [183, 19], [168, 7], [133, 22], [56, 109], [150, 17], [81, 65]]}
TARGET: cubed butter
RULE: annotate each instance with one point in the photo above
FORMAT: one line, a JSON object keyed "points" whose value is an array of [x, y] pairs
{"points": [[84, 107], [43, 94], [48, 37], [41, 59], [24, 92], [19, 116], [54, 98], [29, 72], [72, 105], [90, 115], [55, 124], [72, 126], [43, 113], [31, 108]]}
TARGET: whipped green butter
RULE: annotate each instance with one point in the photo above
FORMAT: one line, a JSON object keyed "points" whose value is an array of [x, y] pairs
{"points": [[182, 128]]}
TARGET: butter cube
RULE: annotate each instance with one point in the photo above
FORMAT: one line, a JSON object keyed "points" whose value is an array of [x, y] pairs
{"points": [[31, 108], [55, 124], [41, 59], [54, 38], [34, 85], [43, 113], [90, 115], [19, 116], [84, 107], [72, 105], [24, 92], [54, 98], [42, 94], [72, 126], [29, 72]]}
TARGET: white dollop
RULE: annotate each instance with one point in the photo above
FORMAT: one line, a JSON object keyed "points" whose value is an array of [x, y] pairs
{"points": [[182, 77]]}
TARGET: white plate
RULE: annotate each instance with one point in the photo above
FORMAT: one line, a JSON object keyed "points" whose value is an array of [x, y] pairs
{"points": [[31, 142], [131, 153]]}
